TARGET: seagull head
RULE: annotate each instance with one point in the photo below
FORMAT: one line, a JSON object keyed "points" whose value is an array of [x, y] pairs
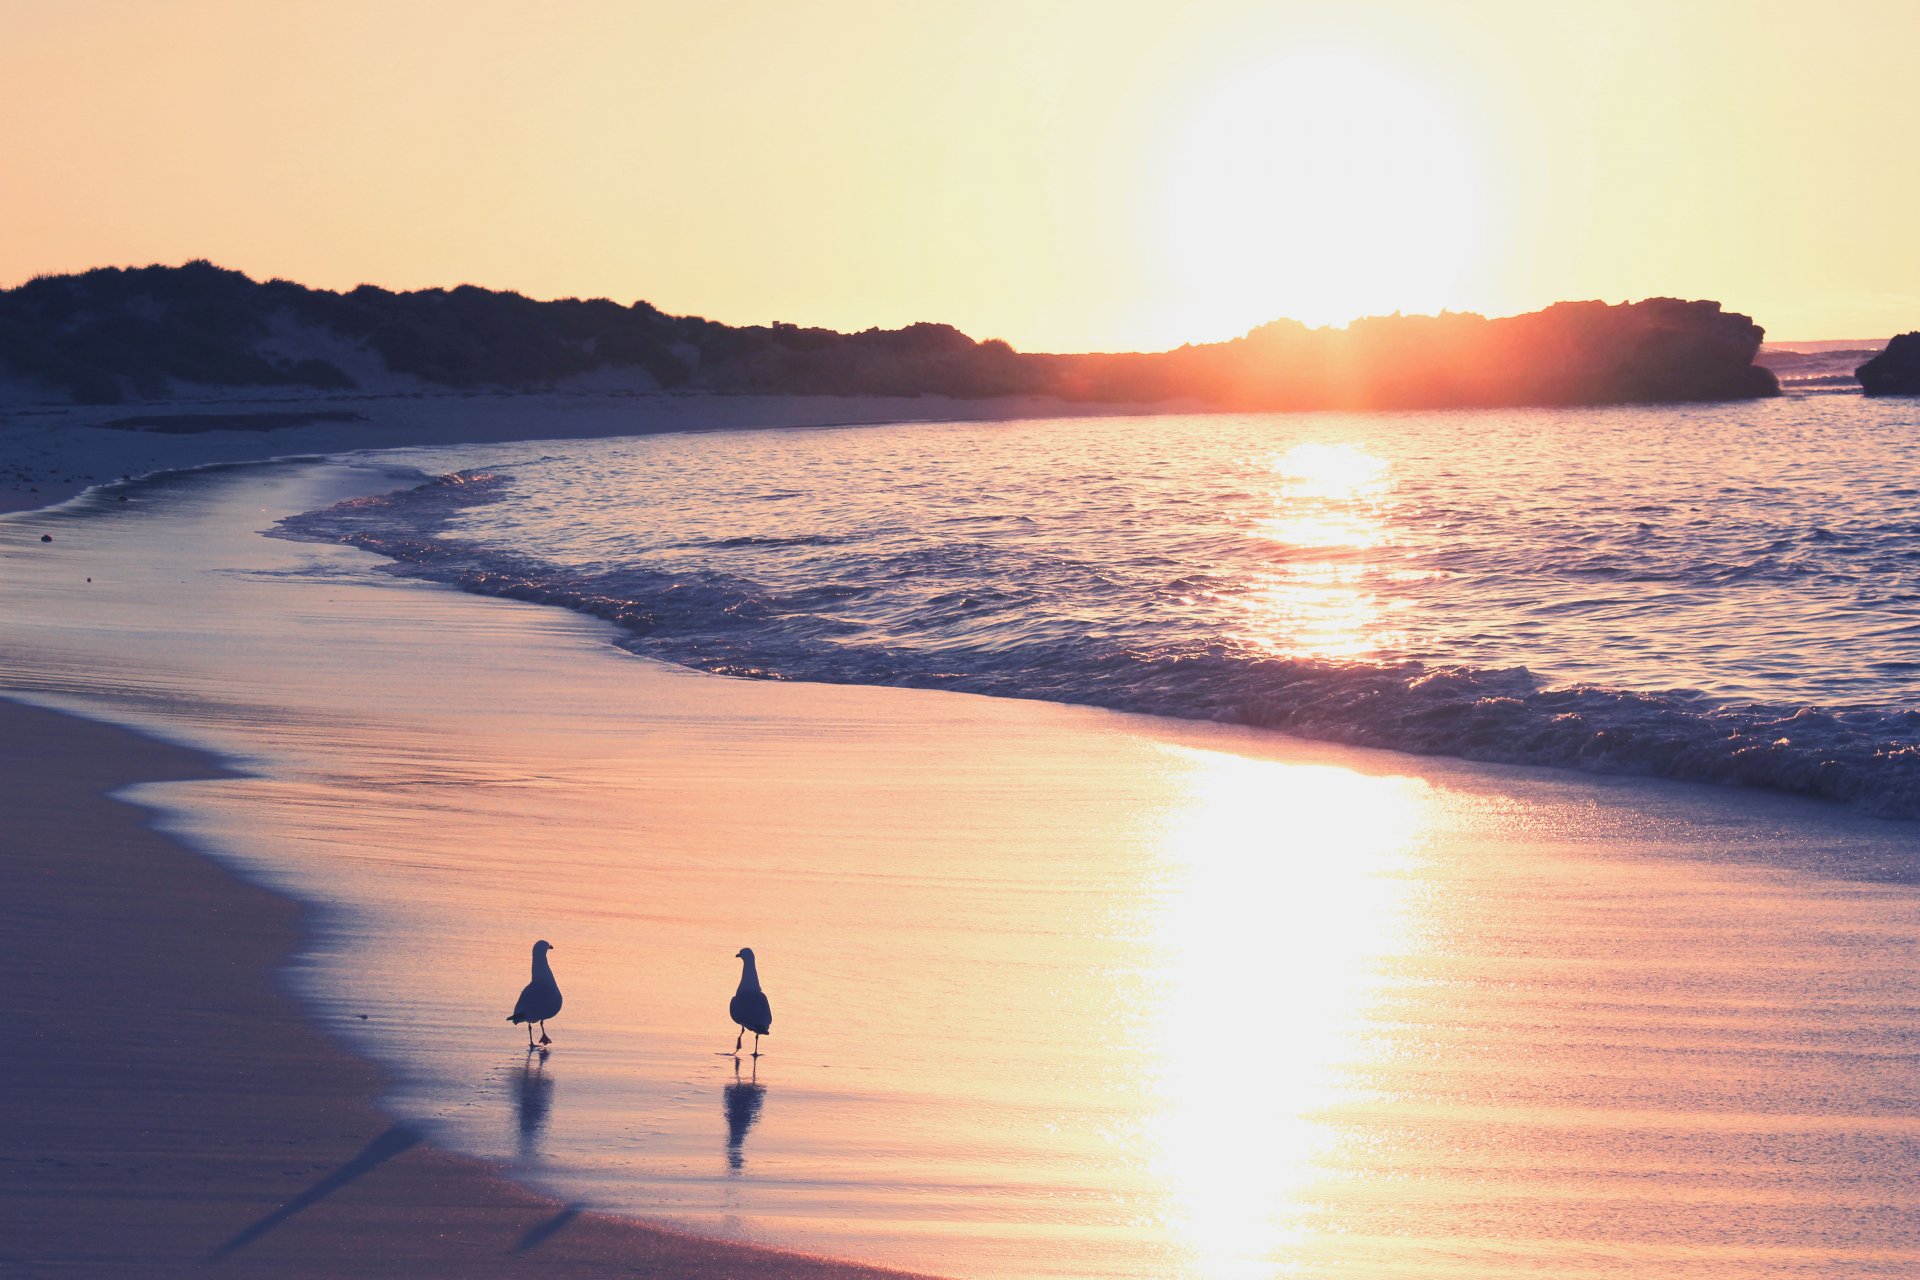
{"points": [[744, 953], [541, 947]]}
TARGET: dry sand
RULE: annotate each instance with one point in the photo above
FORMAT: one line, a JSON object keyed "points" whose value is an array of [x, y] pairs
{"points": [[171, 1112]]}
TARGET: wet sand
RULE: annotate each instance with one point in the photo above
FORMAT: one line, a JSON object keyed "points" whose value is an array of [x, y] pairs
{"points": [[169, 1111]]}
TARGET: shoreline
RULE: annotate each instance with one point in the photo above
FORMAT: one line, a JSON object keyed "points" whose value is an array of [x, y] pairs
{"points": [[186, 1112], [715, 766], [51, 453]]}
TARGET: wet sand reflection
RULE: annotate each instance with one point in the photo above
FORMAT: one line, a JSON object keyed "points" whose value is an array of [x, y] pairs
{"points": [[741, 1101]]}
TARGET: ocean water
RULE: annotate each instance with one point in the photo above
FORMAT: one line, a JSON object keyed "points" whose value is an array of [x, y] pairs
{"points": [[1717, 593]]}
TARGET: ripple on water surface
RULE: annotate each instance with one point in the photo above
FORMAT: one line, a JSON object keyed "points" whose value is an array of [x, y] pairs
{"points": [[1720, 593]]}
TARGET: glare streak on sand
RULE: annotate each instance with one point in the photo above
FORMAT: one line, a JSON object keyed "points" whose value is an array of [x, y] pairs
{"points": [[1208, 1002], [1286, 897]]}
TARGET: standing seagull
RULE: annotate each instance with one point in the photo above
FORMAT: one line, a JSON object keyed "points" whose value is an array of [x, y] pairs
{"points": [[541, 998], [749, 1008]]}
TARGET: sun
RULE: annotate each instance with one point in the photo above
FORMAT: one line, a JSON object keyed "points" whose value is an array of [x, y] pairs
{"points": [[1321, 186]]}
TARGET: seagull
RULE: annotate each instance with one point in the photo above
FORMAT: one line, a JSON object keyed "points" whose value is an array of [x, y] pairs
{"points": [[540, 999], [749, 1008]]}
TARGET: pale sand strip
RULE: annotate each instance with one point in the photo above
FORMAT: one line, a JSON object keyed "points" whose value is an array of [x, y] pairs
{"points": [[48, 453], [168, 1111]]}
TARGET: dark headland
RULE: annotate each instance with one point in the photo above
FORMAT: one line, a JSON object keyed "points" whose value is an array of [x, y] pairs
{"points": [[114, 335]]}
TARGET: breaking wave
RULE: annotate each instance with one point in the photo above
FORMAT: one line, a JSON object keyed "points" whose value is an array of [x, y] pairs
{"points": [[978, 629]]}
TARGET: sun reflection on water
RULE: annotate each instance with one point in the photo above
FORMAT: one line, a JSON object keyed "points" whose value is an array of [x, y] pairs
{"points": [[1288, 894], [1332, 506]]}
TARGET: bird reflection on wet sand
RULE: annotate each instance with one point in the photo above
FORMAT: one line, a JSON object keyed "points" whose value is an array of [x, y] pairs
{"points": [[742, 1101], [532, 1102]]}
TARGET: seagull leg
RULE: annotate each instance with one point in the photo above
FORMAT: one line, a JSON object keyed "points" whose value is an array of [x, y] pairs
{"points": [[736, 1046], [529, 1037], [543, 1032], [756, 1045]]}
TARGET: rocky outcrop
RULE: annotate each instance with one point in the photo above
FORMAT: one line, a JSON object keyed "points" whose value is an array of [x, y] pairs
{"points": [[1895, 371]]}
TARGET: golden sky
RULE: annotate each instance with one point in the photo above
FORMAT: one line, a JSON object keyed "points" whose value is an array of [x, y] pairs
{"points": [[1067, 175]]}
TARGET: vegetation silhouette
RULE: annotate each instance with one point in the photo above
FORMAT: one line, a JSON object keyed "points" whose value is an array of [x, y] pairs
{"points": [[114, 334]]}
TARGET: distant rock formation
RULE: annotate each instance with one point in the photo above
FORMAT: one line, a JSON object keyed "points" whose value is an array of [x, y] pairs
{"points": [[1895, 371], [1571, 353], [151, 333]]}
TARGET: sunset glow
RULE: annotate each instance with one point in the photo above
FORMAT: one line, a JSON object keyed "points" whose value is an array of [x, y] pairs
{"points": [[1073, 176], [1108, 640], [1329, 178]]}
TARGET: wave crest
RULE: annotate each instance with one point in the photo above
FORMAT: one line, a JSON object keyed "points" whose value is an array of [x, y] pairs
{"points": [[727, 624]]}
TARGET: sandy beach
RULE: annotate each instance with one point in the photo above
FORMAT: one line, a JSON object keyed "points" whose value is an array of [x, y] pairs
{"points": [[1264, 640], [51, 451], [188, 1129], [173, 1112], [1506, 1014]]}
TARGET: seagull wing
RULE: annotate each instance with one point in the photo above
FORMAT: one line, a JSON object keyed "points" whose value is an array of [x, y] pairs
{"points": [[538, 1001], [751, 1010]]}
